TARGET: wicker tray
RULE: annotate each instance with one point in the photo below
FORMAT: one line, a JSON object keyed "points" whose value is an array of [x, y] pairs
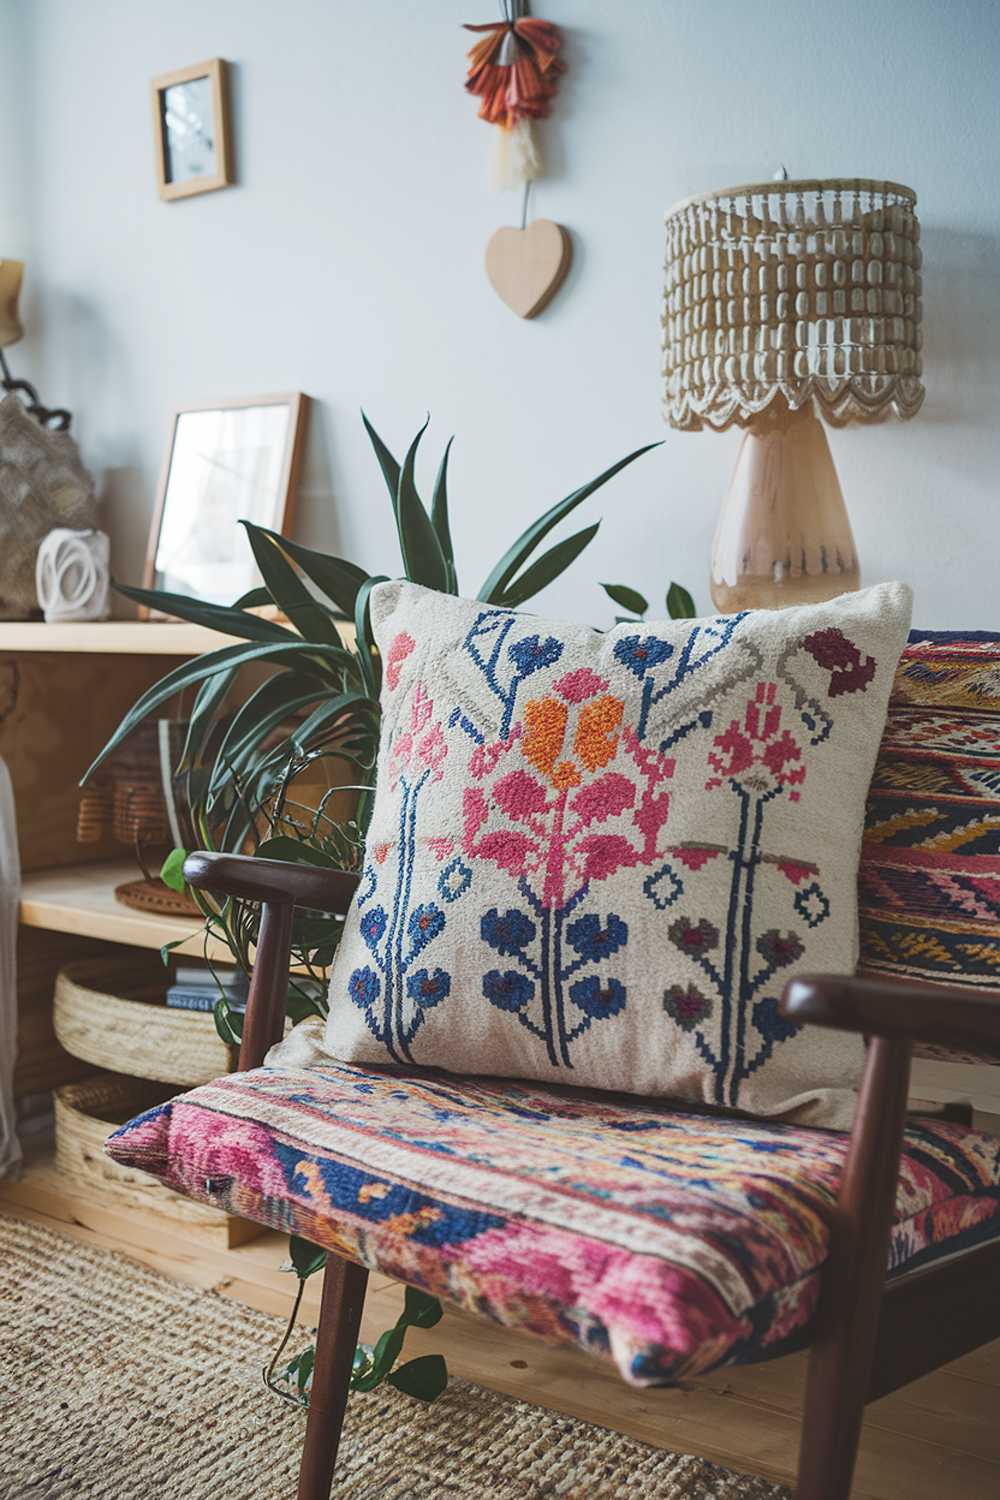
{"points": [[111, 1013], [86, 1113]]}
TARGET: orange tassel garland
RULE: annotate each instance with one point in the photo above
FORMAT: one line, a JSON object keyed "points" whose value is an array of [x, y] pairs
{"points": [[514, 69]]}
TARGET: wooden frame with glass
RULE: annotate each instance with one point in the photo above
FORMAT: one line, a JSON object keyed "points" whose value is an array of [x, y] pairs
{"points": [[226, 461], [191, 130]]}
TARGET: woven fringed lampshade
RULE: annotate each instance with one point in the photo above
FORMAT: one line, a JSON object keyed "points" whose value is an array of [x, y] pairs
{"points": [[781, 299], [797, 290]]}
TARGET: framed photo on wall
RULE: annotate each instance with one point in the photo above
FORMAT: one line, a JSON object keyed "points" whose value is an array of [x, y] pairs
{"points": [[226, 461], [191, 130]]}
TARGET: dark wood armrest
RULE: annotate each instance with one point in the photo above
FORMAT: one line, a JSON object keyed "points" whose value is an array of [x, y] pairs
{"points": [[252, 879], [279, 887], [951, 1015]]}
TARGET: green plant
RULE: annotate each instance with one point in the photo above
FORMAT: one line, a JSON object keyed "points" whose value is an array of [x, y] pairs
{"points": [[249, 751], [374, 1364], [680, 605]]}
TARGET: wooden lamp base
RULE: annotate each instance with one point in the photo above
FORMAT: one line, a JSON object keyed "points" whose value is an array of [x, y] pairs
{"points": [[783, 535]]}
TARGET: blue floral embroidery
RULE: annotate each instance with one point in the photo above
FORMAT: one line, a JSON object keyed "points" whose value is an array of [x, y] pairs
{"points": [[663, 887], [509, 990], [485, 644], [509, 934], [812, 905], [373, 924], [454, 880], [366, 885], [424, 925], [598, 999], [427, 988], [642, 653], [594, 942], [532, 654]]}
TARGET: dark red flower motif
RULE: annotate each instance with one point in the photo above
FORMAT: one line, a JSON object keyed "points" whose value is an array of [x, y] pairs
{"points": [[686, 1005], [779, 949], [694, 938], [832, 651]]}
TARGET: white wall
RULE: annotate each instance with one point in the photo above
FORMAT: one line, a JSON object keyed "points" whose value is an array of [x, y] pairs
{"points": [[348, 261], [14, 143]]}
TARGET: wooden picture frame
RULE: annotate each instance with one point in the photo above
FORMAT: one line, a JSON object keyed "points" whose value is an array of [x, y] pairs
{"points": [[179, 178], [266, 496]]}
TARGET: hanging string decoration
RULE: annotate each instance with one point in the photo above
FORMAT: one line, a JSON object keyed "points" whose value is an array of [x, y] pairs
{"points": [[514, 69]]}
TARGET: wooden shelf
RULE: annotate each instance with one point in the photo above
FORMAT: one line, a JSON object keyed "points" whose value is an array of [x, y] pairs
{"points": [[112, 637], [81, 899], [122, 637]]}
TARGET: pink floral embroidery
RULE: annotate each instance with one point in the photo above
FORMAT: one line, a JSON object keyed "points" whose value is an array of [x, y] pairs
{"points": [[399, 650], [758, 754], [557, 802], [422, 746]]}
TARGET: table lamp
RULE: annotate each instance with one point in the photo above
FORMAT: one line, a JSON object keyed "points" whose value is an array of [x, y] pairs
{"points": [[11, 329], [784, 299]]}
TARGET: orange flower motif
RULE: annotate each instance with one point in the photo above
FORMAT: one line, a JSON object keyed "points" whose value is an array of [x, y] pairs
{"points": [[596, 738]]}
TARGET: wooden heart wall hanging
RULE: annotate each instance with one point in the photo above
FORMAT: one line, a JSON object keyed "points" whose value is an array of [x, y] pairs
{"points": [[514, 69]]}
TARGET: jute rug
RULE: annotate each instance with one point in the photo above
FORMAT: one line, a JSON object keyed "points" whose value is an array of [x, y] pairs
{"points": [[118, 1384]]}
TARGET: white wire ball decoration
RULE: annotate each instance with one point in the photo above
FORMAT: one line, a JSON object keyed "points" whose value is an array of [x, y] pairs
{"points": [[71, 575]]}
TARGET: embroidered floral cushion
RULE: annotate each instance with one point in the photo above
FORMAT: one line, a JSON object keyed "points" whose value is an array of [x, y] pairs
{"points": [[597, 858], [930, 867]]}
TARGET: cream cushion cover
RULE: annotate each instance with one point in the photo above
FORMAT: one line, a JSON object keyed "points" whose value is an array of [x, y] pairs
{"points": [[596, 859]]}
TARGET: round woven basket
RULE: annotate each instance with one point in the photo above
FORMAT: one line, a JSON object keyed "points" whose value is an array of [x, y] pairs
{"points": [[86, 1113], [112, 1013], [153, 896]]}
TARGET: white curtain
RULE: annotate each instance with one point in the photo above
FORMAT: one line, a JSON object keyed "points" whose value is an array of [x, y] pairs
{"points": [[10, 896]]}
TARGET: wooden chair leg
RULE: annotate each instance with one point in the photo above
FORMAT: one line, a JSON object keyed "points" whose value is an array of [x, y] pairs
{"points": [[336, 1338], [847, 1320]]}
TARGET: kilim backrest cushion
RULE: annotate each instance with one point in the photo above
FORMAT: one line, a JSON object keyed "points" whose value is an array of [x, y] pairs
{"points": [[930, 869]]}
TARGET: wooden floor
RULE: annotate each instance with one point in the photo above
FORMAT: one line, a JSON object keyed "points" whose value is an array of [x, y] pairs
{"points": [[939, 1439]]}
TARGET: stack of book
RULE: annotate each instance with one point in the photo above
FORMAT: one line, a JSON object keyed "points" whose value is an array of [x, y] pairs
{"points": [[196, 987]]}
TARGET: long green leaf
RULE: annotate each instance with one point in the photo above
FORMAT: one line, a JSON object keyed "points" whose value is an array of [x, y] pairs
{"points": [[266, 709], [370, 668], [425, 1377], [288, 591], [306, 1257], [439, 514], [680, 605], [253, 599], [386, 462], [318, 661], [222, 617], [204, 715], [423, 560], [518, 554], [626, 597], [420, 1309], [335, 708], [548, 567], [338, 579]]}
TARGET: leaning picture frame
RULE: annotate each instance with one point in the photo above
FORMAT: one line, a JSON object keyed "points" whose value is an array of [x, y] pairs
{"points": [[226, 461], [191, 130]]}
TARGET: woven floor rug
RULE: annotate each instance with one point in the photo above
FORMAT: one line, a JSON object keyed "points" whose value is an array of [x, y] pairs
{"points": [[118, 1384]]}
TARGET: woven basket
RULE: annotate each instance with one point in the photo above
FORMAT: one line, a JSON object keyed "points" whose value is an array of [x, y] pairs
{"points": [[86, 1113], [112, 1014]]}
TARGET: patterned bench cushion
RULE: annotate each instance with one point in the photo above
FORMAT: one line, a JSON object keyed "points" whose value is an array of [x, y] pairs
{"points": [[671, 1241], [930, 867]]}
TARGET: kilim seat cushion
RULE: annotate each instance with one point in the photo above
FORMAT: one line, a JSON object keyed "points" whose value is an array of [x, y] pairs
{"points": [[930, 867], [670, 1241]]}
